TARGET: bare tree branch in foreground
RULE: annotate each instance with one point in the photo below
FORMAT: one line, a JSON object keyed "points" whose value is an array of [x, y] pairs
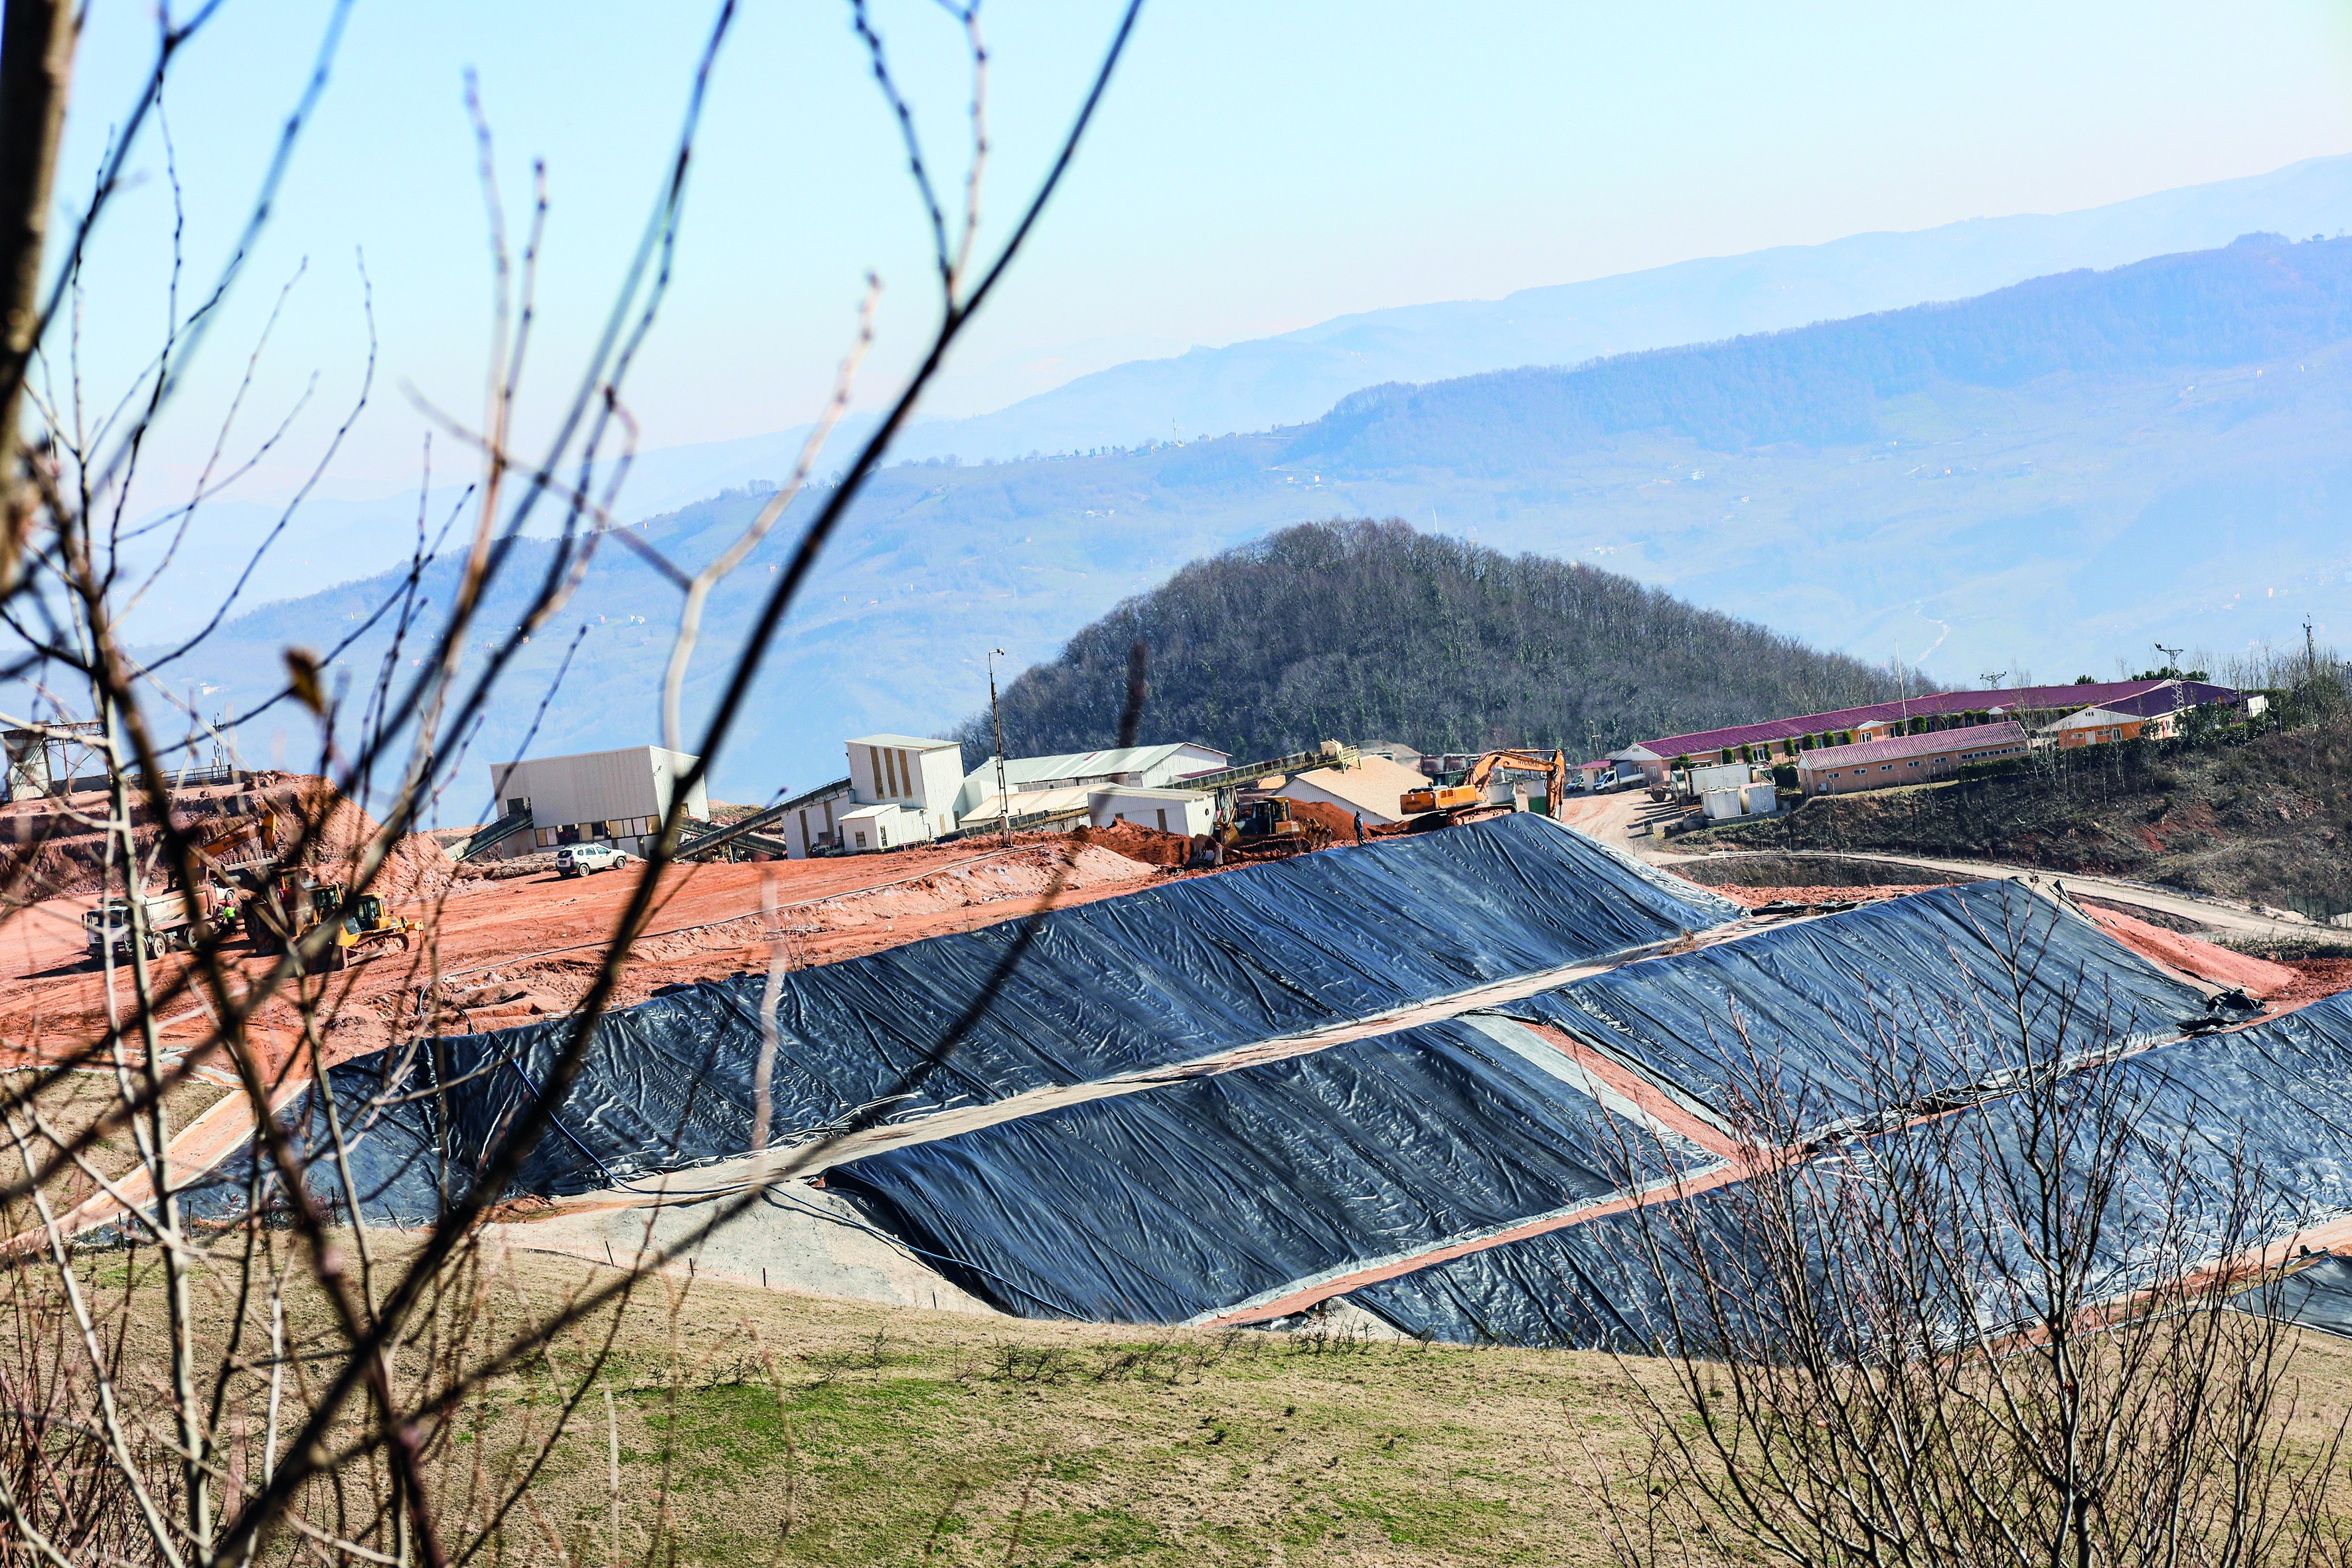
{"points": [[301, 1384]]}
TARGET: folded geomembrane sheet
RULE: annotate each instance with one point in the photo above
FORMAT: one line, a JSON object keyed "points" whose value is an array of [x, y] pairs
{"points": [[1190, 1199], [1172, 974]]}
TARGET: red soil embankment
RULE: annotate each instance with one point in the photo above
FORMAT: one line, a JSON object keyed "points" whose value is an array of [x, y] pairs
{"points": [[496, 953], [2214, 966]]}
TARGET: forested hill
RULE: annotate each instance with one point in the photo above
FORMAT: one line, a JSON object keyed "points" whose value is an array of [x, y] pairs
{"points": [[1364, 631]]}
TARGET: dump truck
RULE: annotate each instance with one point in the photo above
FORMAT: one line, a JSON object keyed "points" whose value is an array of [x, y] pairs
{"points": [[174, 920]]}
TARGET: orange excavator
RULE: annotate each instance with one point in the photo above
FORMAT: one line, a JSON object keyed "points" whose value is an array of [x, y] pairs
{"points": [[1453, 796]]}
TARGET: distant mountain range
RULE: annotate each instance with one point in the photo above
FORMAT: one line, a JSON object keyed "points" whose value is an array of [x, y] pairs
{"points": [[2034, 480], [1298, 376]]}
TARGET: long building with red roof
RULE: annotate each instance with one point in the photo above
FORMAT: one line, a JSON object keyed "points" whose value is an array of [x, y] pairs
{"points": [[1787, 737]]}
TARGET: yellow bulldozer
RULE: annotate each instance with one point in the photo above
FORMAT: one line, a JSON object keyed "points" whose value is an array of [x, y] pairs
{"points": [[291, 905]]}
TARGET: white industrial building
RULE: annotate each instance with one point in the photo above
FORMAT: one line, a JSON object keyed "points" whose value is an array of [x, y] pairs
{"points": [[1030, 782], [812, 821], [595, 797], [901, 790]]}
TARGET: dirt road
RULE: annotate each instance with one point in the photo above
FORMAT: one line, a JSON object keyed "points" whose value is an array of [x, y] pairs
{"points": [[2220, 915], [1620, 819], [504, 952]]}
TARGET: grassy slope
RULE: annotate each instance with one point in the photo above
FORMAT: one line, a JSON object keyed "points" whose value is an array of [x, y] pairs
{"points": [[2268, 820], [910, 1435], [906, 1436]]}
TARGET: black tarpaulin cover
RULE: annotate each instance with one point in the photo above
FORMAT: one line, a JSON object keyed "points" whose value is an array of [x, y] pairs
{"points": [[2265, 1112], [1194, 1198], [2317, 1295], [1166, 974], [1833, 1014]]}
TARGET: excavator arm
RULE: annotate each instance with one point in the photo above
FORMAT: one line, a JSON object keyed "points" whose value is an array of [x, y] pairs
{"points": [[1472, 790]]}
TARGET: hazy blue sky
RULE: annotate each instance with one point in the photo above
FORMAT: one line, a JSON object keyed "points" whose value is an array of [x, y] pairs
{"points": [[1259, 166]]}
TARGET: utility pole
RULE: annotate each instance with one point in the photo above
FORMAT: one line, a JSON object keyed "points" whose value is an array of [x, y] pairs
{"points": [[1992, 677], [1004, 806], [2310, 653], [2171, 661]]}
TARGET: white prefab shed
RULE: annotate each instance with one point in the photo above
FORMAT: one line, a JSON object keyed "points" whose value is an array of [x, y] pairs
{"points": [[870, 829], [1183, 811]]}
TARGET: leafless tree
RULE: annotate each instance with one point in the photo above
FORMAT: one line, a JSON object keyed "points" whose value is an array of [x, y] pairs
{"points": [[301, 1388], [1997, 1321]]}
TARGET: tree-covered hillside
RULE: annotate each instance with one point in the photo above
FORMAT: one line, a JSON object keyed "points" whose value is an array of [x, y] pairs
{"points": [[1369, 630]]}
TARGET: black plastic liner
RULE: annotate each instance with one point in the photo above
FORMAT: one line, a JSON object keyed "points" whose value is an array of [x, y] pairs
{"points": [[2265, 1112], [1199, 1198], [1163, 975], [2316, 1296], [1833, 1018]]}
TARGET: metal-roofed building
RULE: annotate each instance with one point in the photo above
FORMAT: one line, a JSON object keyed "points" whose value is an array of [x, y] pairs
{"points": [[1782, 739], [609, 797], [1154, 767], [1372, 789], [1906, 759], [903, 790]]}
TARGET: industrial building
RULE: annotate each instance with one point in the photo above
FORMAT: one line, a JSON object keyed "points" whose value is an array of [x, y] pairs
{"points": [[595, 797], [1033, 785], [1186, 810], [1905, 759], [811, 821], [900, 789]]}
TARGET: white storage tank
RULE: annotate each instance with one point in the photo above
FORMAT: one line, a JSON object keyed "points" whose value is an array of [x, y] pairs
{"points": [[1760, 799], [1721, 776]]}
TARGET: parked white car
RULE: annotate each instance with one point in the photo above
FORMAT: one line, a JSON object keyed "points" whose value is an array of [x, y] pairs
{"points": [[581, 859]]}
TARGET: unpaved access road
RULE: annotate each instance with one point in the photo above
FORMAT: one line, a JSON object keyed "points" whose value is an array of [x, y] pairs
{"points": [[1620, 819], [504, 952], [2222, 915]]}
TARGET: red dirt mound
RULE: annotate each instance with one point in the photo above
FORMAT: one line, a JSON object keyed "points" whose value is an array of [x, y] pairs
{"points": [[2314, 978], [1754, 898], [1338, 818], [2214, 966], [54, 851], [1148, 845]]}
